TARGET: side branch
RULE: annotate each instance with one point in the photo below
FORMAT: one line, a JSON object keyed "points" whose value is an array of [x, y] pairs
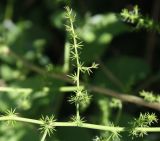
{"points": [[124, 97]]}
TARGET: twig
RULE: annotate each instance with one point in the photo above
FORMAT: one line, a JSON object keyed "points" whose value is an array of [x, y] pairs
{"points": [[124, 97]]}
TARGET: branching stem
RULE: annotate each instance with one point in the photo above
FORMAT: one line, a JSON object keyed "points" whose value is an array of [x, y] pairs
{"points": [[77, 61], [73, 124]]}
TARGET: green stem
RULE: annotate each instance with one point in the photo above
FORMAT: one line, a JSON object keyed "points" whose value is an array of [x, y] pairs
{"points": [[77, 61], [20, 119], [70, 88], [83, 125], [109, 137], [44, 135], [148, 129], [77, 112], [90, 126], [76, 51], [12, 89]]}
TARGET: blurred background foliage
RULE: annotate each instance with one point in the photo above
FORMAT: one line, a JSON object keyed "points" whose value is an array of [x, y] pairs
{"points": [[34, 32]]}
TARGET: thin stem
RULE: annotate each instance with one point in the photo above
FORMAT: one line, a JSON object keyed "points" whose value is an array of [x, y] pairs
{"points": [[77, 62], [44, 135], [102, 127], [12, 89], [69, 88], [83, 125], [149, 129], [76, 51], [77, 111], [109, 137], [21, 119]]}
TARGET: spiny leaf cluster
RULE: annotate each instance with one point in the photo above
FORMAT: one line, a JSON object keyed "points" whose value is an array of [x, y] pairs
{"points": [[84, 69], [79, 121], [76, 43], [131, 16], [109, 136], [115, 136], [144, 120], [134, 17], [48, 124], [11, 113], [150, 97], [116, 103], [81, 97]]}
